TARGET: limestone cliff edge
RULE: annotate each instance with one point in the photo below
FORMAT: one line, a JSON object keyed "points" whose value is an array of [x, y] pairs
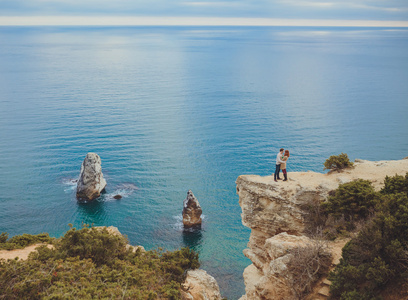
{"points": [[275, 212]]}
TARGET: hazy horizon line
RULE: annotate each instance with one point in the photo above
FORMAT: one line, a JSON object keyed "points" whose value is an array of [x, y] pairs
{"points": [[187, 21]]}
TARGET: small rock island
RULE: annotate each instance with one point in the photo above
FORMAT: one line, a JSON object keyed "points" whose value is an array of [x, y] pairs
{"points": [[91, 182], [192, 211]]}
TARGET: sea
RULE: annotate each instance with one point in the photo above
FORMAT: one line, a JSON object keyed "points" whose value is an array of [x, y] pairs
{"points": [[169, 109]]}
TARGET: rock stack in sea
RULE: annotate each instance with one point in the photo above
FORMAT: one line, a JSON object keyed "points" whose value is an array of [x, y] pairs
{"points": [[192, 211], [91, 182]]}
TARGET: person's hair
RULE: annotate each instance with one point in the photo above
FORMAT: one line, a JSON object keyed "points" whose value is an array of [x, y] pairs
{"points": [[281, 149], [287, 153]]}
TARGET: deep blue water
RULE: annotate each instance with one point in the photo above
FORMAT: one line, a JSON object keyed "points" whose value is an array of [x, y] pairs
{"points": [[172, 109]]}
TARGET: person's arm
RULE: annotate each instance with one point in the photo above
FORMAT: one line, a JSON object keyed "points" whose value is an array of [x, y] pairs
{"points": [[280, 160]]}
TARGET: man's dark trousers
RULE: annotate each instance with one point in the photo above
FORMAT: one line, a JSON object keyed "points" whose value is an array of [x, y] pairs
{"points": [[277, 170]]}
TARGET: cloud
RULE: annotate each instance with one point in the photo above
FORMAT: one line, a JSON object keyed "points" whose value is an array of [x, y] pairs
{"points": [[309, 3], [380, 8], [295, 9], [211, 4], [187, 21], [352, 5]]}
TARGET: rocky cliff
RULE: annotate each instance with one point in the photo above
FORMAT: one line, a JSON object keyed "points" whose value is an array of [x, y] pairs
{"points": [[276, 213]]}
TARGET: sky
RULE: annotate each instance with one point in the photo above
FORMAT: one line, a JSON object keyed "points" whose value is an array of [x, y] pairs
{"points": [[210, 12]]}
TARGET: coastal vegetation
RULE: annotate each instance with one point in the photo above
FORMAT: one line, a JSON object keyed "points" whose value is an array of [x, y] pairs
{"points": [[22, 241], [347, 209], [375, 261], [337, 162], [92, 263]]}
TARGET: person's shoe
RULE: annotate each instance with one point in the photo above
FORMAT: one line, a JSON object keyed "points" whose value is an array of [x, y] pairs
{"points": [[285, 180], [279, 178], [275, 180]]}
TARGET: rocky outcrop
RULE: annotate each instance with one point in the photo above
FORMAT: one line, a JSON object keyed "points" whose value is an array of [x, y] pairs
{"points": [[91, 182], [276, 213], [271, 280], [191, 211], [200, 286]]}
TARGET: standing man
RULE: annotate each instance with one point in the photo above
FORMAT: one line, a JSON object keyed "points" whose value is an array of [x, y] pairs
{"points": [[279, 161]]}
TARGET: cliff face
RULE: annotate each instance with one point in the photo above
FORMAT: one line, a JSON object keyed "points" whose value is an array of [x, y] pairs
{"points": [[276, 212]]}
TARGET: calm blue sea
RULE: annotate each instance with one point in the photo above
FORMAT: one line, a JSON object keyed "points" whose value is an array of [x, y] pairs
{"points": [[179, 108]]}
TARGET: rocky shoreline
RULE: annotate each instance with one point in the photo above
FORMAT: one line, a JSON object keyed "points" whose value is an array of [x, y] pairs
{"points": [[276, 213]]}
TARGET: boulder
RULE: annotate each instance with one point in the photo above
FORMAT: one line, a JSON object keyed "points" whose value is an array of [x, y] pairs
{"points": [[91, 182], [192, 211], [199, 285]]}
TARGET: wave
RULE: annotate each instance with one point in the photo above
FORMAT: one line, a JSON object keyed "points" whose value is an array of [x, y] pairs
{"points": [[70, 184], [179, 224], [125, 190]]}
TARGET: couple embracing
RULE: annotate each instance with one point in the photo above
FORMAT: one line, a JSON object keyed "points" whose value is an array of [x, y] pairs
{"points": [[281, 159]]}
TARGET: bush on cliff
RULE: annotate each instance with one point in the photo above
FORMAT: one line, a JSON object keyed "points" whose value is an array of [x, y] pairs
{"points": [[377, 259], [395, 184], [95, 243], [353, 200], [22, 241], [344, 211], [87, 272], [337, 162]]}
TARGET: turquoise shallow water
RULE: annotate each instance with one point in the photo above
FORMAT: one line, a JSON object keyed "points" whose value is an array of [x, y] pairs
{"points": [[172, 109]]}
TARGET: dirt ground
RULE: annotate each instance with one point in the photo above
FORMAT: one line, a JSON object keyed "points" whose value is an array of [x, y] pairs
{"points": [[20, 253]]}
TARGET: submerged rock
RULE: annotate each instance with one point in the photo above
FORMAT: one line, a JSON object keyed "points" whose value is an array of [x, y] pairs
{"points": [[192, 211], [91, 182]]}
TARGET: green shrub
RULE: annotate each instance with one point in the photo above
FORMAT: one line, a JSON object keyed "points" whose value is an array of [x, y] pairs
{"points": [[84, 272], [353, 200], [337, 162], [378, 256], [3, 237], [395, 184], [22, 241], [95, 243], [376, 260]]}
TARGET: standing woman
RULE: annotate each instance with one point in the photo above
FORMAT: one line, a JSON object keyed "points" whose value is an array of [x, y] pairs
{"points": [[283, 166]]}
